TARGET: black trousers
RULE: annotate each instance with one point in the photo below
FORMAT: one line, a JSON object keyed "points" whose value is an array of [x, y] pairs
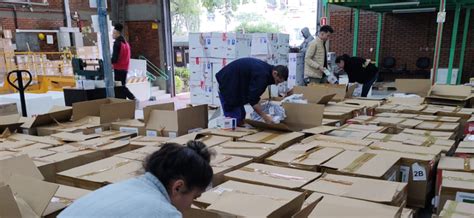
{"points": [[121, 75]]}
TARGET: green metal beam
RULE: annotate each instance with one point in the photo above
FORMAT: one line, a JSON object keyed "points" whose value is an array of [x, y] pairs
{"points": [[379, 38], [454, 36], [464, 42], [439, 37], [356, 32]]}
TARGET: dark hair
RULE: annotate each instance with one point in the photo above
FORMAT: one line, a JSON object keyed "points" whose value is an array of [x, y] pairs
{"points": [[174, 161], [118, 27], [282, 71], [326, 29], [344, 57]]}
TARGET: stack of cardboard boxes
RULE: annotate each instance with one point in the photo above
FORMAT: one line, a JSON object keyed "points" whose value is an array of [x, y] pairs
{"points": [[208, 54], [272, 48]]}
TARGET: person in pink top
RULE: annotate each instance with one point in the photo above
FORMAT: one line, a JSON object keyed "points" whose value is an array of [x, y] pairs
{"points": [[121, 59]]}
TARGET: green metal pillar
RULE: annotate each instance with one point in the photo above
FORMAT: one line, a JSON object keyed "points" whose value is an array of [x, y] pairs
{"points": [[464, 42], [356, 32], [439, 36], [454, 36], [379, 38]]}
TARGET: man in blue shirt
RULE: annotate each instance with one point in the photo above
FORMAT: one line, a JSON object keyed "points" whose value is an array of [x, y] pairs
{"points": [[243, 81], [175, 176]]}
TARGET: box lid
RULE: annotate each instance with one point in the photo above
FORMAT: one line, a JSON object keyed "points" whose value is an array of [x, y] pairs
{"points": [[460, 180], [354, 162], [319, 130], [450, 92], [456, 209], [55, 115], [313, 96], [272, 137], [419, 87], [456, 164], [465, 147], [273, 176], [222, 163], [303, 156], [245, 149], [147, 110]]}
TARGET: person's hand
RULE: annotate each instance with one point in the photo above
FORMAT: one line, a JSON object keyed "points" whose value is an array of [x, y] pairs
{"points": [[321, 69], [289, 92], [268, 119]]}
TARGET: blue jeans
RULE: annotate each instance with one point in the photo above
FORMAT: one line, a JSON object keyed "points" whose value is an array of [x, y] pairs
{"points": [[236, 112]]}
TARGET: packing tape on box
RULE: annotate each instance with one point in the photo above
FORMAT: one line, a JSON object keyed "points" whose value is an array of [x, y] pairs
{"points": [[220, 191], [430, 140], [268, 138], [358, 162], [305, 155], [338, 181], [467, 164], [275, 175], [387, 137], [388, 149], [247, 147], [225, 159], [117, 165], [61, 200]]}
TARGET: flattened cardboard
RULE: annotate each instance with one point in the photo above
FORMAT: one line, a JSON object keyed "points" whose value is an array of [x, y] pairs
{"points": [[419, 87], [74, 137], [165, 107], [279, 177], [239, 132], [178, 122], [378, 191], [319, 130], [340, 90], [298, 117], [280, 139], [223, 164], [245, 149], [303, 156], [109, 110], [21, 165], [64, 196], [349, 134], [379, 166], [313, 95]]}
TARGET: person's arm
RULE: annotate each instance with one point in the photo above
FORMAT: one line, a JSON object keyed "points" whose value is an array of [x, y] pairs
{"points": [[255, 86], [310, 52], [116, 51], [258, 109]]}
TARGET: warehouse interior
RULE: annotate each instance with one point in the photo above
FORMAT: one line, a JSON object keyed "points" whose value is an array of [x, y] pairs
{"points": [[236, 108]]}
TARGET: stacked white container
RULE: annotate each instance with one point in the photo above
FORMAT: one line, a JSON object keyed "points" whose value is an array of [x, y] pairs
{"points": [[295, 69], [208, 54], [272, 48]]}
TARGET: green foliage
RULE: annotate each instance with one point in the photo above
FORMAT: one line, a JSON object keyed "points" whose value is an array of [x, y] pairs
{"points": [[182, 72], [178, 84], [260, 27], [185, 13]]}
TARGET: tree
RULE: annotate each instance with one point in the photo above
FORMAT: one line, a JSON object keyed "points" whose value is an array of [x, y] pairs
{"points": [[185, 15], [226, 7], [256, 23]]}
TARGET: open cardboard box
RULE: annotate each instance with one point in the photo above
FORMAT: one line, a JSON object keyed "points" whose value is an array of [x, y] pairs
{"points": [[458, 95], [455, 186], [130, 126], [280, 139], [85, 125], [415, 140], [419, 87], [9, 117], [465, 149], [56, 115], [173, 123], [247, 200], [321, 205], [340, 90], [109, 109], [378, 191], [298, 117], [457, 209], [275, 176], [222, 164], [22, 191], [64, 196], [313, 95]]}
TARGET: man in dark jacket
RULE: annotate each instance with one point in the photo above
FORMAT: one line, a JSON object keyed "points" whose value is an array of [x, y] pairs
{"points": [[243, 81], [121, 59], [359, 70]]}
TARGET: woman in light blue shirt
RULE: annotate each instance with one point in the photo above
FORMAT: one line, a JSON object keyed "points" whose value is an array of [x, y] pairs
{"points": [[175, 176]]}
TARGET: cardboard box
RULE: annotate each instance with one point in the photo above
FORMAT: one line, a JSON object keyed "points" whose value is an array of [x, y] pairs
{"points": [[303, 156], [298, 117], [239, 132], [340, 113], [222, 164], [340, 90], [246, 149], [209, 140], [419, 87], [22, 190], [259, 201], [319, 130], [438, 126], [109, 110], [280, 139], [377, 191], [148, 109], [354, 163], [138, 154], [97, 174], [85, 125], [387, 121], [436, 134], [172, 123], [456, 186], [129, 126], [465, 149], [313, 96], [56, 115], [450, 95], [37, 139], [461, 164], [64, 196], [74, 137], [349, 134], [362, 128], [148, 141], [397, 115], [279, 177], [320, 205], [457, 209], [331, 122], [399, 108], [318, 139], [438, 118], [416, 167], [415, 140]]}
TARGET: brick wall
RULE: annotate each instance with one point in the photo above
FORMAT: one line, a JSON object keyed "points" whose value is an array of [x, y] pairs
{"points": [[406, 37], [144, 40]]}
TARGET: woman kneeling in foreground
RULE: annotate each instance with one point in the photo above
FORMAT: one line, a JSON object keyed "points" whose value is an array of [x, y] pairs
{"points": [[175, 176]]}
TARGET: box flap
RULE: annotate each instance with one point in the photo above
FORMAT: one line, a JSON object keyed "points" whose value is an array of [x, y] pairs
{"points": [[350, 90], [8, 205], [303, 116], [12, 122], [319, 130], [57, 114], [456, 163], [147, 110], [450, 92], [419, 87], [340, 90], [306, 159], [272, 137], [36, 193], [313, 95], [163, 120], [21, 165], [117, 110], [87, 108], [190, 118], [74, 137]]}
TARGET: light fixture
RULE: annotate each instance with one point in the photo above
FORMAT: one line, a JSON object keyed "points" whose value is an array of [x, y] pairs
{"points": [[394, 4], [413, 10]]}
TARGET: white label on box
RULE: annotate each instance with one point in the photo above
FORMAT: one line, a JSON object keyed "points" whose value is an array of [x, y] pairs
{"points": [[151, 133], [393, 177], [405, 173], [419, 172], [129, 130], [98, 130], [465, 197], [194, 130], [221, 190], [172, 134]]}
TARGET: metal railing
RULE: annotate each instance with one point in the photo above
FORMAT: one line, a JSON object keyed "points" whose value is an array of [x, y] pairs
{"points": [[156, 71]]}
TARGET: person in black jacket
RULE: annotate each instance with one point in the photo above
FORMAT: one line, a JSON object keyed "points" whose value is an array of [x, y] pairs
{"points": [[359, 70], [243, 81]]}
